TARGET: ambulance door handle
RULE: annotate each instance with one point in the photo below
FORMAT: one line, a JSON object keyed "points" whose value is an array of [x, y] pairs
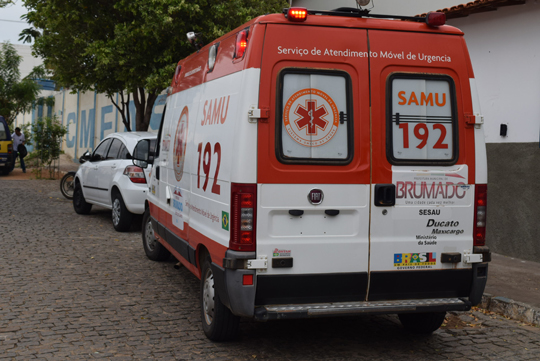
{"points": [[157, 172], [385, 195], [296, 212], [332, 212]]}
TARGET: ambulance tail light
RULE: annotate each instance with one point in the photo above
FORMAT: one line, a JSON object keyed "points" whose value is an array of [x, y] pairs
{"points": [[135, 174], [480, 203], [10, 148], [243, 217], [241, 43], [436, 19], [297, 14]]}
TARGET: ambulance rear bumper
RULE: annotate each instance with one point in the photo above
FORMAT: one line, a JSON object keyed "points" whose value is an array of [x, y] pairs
{"points": [[277, 312]]}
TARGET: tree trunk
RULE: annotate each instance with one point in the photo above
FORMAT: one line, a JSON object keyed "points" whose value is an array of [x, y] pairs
{"points": [[124, 110], [145, 106]]}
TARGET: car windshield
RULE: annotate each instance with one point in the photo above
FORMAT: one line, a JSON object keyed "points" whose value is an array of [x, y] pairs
{"points": [[3, 132]]}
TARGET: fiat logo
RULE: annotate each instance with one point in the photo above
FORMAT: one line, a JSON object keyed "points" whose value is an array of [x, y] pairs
{"points": [[315, 196]]}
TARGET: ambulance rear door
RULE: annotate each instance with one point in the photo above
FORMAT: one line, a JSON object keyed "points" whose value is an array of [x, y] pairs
{"points": [[423, 166], [313, 165]]}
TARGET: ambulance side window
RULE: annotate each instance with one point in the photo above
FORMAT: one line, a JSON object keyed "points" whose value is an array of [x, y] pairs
{"points": [[314, 117], [160, 133], [421, 119]]}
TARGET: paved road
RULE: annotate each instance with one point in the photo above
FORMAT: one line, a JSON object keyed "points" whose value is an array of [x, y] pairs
{"points": [[73, 288]]}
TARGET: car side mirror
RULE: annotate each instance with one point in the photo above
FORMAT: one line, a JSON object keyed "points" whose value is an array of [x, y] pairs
{"points": [[85, 157], [142, 156]]}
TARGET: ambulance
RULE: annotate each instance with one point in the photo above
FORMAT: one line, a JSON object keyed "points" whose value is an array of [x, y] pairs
{"points": [[323, 163]]}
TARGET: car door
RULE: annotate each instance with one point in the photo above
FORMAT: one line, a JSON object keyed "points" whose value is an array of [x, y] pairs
{"points": [[90, 175], [107, 170]]}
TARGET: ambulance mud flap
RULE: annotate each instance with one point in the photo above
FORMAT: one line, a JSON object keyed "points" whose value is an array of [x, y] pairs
{"points": [[480, 271], [229, 283], [275, 312]]}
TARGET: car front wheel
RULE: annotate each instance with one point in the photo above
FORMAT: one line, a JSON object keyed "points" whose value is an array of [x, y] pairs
{"points": [[79, 202], [121, 217]]}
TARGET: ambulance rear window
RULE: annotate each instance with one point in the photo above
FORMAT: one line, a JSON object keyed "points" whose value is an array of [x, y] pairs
{"points": [[314, 124], [421, 119]]}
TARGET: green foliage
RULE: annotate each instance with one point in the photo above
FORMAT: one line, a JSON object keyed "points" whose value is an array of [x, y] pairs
{"points": [[47, 134], [4, 3], [16, 95], [129, 45], [27, 35], [46, 102], [26, 129]]}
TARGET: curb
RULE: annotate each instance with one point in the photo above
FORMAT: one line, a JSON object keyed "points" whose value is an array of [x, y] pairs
{"points": [[512, 309]]}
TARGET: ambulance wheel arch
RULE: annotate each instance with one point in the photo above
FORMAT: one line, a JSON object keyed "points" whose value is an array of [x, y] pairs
{"points": [[219, 323], [202, 253]]}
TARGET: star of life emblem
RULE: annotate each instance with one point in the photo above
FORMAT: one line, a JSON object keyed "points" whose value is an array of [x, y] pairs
{"points": [[180, 142], [311, 117]]}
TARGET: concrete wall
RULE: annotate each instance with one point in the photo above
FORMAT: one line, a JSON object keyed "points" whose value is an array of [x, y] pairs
{"points": [[28, 61], [513, 208], [89, 117], [504, 50]]}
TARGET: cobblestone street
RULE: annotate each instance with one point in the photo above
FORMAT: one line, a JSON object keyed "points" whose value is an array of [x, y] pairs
{"points": [[73, 288]]}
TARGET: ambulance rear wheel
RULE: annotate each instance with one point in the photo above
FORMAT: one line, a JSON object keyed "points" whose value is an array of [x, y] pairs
{"points": [[422, 323], [219, 324], [153, 249]]}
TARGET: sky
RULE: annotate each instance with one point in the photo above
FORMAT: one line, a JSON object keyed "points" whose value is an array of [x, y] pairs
{"points": [[10, 22], [387, 7]]}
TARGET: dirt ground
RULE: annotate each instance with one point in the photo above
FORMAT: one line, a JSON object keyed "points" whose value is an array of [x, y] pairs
{"points": [[64, 165]]}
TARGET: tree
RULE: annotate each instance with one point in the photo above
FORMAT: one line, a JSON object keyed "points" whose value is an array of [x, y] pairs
{"points": [[129, 47], [16, 95], [47, 133], [4, 3]]}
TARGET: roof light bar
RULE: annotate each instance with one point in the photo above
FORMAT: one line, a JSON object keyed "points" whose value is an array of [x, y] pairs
{"points": [[435, 19], [297, 14]]}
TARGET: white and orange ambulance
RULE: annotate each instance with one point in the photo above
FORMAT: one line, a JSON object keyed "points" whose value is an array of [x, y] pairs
{"points": [[317, 163]]}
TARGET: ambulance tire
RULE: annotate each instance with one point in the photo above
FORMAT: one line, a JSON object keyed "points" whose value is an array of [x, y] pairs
{"points": [[153, 249], [79, 203], [121, 217], [219, 324], [422, 323]]}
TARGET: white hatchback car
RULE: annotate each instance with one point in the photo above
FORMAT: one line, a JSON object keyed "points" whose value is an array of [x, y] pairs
{"points": [[108, 178]]}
